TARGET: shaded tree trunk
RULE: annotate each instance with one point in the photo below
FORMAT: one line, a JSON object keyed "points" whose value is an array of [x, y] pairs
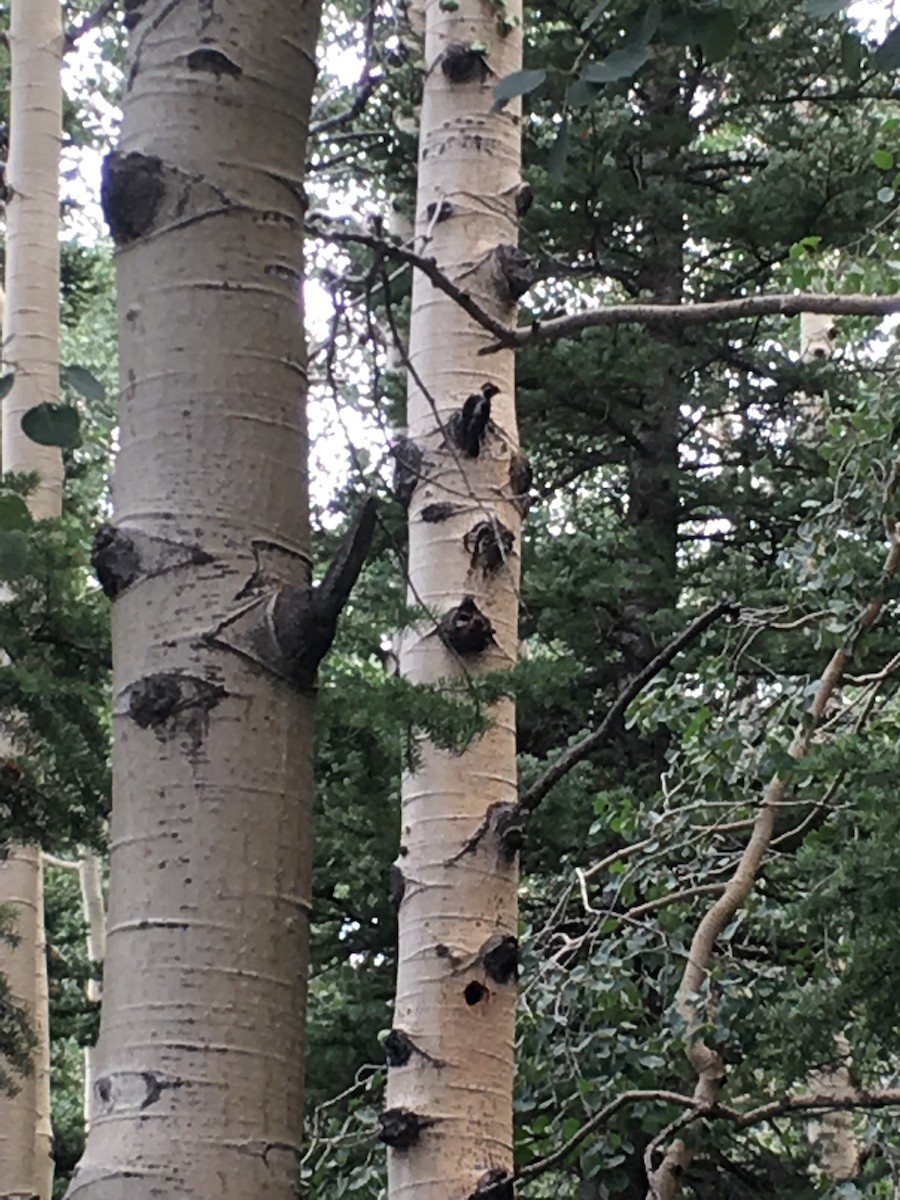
{"points": [[199, 1066], [31, 352], [449, 1117]]}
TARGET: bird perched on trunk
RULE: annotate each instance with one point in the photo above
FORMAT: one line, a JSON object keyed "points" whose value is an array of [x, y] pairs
{"points": [[470, 424]]}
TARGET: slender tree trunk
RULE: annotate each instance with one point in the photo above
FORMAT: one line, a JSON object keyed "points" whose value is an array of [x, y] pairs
{"points": [[95, 919], [448, 1122], [199, 1072], [31, 352], [832, 1133]]}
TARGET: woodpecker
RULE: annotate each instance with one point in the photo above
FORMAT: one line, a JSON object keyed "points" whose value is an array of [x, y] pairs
{"points": [[474, 419]]}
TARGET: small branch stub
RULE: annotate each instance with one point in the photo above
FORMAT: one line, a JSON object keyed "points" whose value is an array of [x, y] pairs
{"points": [[496, 1184], [168, 702], [131, 194], [508, 822], [521, 480], [398, 1048], [120, 557], [433, 514], [462, 63], [466, 629], [408, 459], [500, 956], [490, 544], [401, 1129], [396, 886], [514, 273]]}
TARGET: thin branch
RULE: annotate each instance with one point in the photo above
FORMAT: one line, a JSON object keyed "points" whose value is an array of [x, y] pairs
{"points": [[588, 745], [364, 87], [702, 313], [428, 267], [599, 1118], [91, 21]]}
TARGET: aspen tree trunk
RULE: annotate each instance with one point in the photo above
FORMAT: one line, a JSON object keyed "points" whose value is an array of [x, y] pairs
{"points": [[95, 919], [832, 1133], [31, 353], [199, 1066], [448, 1121]]}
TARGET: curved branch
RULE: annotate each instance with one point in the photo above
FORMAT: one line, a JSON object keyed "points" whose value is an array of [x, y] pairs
{"points": [[588, 745], [707, 1061]]}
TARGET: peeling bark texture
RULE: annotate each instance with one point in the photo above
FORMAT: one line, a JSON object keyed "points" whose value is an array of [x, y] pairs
{"points": [[31, 353], [199, 1065], [461, 881]]}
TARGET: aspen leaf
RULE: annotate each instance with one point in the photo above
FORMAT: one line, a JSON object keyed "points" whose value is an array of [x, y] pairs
{"points": [[719, 36], [824, 8], [883, 159], [6, 384], [13, 553], [621, 64], [559, 153], [14, 513], [53, 425], [517, 84], [887, 56], [593, 16], [86, 384], [580, 93]]}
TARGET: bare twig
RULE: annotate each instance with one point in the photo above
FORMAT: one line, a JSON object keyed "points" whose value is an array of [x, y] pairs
{"points": [[588, 745]]}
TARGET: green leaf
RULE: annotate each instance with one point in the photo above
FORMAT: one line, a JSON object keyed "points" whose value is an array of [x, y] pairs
{"points": [[647, 26], [621, 64], [13, 554], [14, 513], [517, 84], [84, 383], [53, 425], [883, 159], [719, 37], [559, 153], [594, 15], [6, 384], [580, 93], [887, 56], [851, 55], [824, 8]]}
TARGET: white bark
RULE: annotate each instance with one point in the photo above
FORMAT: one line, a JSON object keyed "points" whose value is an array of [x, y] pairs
{"points": [[31, 352], [455, 1089], [199, 1066], [95, 918]]}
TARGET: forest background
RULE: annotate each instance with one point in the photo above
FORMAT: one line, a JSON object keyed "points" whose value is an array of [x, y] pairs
{"points": [[673, 465]]}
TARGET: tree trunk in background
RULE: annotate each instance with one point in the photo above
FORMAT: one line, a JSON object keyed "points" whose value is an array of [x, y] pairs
{"points": [[95, 919], [832, 1133], [448, 1122], [31, 353], [199, 1067]]}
